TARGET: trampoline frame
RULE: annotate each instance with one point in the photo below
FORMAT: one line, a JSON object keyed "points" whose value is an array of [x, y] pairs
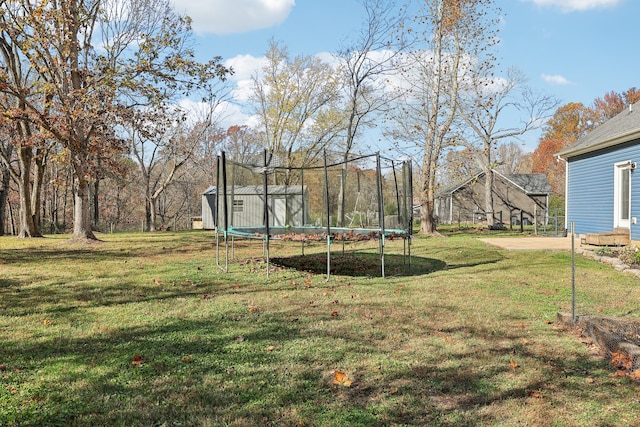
{"points": [[266, 232]]}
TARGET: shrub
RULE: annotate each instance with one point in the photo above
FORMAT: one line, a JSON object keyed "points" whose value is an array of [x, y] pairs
{"points": [[604, 251], [629, 255]]}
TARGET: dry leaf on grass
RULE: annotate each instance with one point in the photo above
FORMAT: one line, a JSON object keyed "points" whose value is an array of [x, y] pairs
{"points": [[342, 379], [621, 360], [535, 394], [137, 360]]}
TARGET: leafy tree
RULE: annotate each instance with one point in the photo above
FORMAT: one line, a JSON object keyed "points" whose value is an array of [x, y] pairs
{"points": [[81, 85], [569, 123], [296, 100], [613, 103]]}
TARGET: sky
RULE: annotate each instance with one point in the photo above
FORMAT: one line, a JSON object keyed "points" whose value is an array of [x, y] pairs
{"points": [[575, 50]]}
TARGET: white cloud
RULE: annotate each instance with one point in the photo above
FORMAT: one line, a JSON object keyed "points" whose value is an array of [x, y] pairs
{"points": [[245, 67], [556, 79], [238, 16], [577, 5]]}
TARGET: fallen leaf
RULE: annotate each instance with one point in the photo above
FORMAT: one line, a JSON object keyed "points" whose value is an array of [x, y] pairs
{"points": [[186, 359], [157, 282], [253, 309], [513, 364], [535, 394], [622, 360], [549, 322], [334, 314], [240, 338], [47, 322], [635, 375], [448, 340], [341, 378], [524, 341], [137, 360], [271, 348], [3, 367], [590, 380]]}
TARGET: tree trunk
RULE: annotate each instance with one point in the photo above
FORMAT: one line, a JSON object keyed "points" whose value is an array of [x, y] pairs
{"points": [[27, 224], [81, 212], [152, 213], [36, 197], [427, 217], [4, 197], [427, 197], [488, 197], [96, 206]]}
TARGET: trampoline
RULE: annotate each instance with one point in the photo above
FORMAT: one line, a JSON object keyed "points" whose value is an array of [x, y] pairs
{"points": [[336, 201]]}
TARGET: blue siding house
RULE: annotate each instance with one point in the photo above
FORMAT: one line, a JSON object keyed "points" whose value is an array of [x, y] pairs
{"points": [[603, 184]]}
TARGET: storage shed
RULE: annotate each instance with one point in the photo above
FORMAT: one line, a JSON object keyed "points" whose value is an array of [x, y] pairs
{"points": [[287, 204]]}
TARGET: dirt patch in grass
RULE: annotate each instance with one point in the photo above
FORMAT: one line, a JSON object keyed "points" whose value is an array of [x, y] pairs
{"points": [[360, 264]]}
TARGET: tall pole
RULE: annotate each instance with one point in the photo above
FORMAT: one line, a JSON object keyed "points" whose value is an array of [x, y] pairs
{"points": [[225, 210], [380, 211], [573, 273], [266, 208], [326, 196]]}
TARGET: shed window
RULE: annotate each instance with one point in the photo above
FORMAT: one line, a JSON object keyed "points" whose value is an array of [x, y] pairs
{"points": [[238, 205]]}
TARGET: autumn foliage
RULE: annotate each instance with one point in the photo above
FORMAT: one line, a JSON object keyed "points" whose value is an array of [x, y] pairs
{"points": [[571, 122]]}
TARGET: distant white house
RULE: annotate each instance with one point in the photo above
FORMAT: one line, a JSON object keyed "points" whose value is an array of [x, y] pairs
{"points": [[287, 205]]}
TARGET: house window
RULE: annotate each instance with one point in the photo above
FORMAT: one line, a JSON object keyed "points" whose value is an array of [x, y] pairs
{"points": [[238, 205], [624, 193]]}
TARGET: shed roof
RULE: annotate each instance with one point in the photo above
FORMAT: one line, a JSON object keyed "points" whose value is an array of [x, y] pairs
{"points": [[252, 190], [623, 127], [530, 183]]}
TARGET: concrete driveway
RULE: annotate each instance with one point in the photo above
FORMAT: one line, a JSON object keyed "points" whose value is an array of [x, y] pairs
{"points": [[532, 243]]}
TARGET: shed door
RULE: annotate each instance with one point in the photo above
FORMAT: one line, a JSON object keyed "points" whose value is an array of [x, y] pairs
{"points": [[278, 212], [622, 195]]}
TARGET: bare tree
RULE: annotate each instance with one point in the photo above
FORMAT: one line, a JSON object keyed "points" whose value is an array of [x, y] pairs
{"points": [[449, 35], [366, 64], [486, 100]]}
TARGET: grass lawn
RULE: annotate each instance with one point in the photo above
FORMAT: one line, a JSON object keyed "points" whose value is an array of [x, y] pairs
{"points": [[146, 330]]}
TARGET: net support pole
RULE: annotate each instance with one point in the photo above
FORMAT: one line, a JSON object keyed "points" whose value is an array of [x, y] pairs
{"points": [[225, 205], [266, 209], [326, 196], [216, 223], [380, 211], [410, 196]]}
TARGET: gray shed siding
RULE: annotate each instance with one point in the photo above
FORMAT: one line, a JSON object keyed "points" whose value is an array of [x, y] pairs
{"points": [[245, 206], [590, 189], [208, 207]]}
